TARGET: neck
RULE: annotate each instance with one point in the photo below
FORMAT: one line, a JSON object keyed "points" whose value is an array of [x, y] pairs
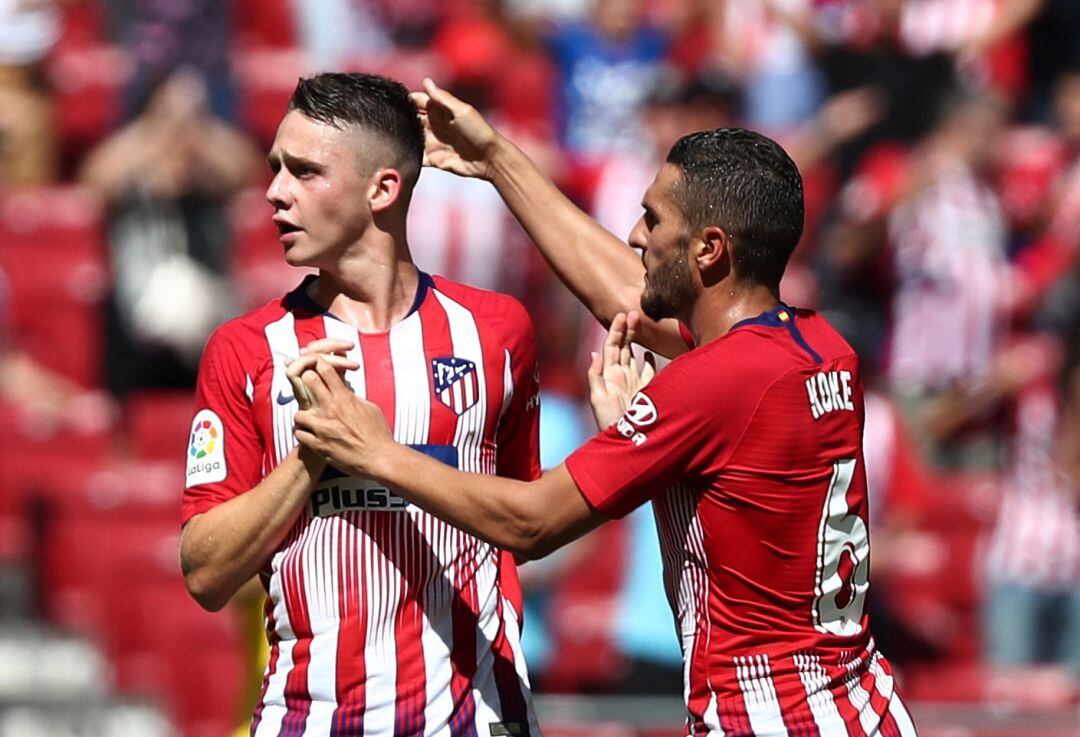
{"points": [[718, 309], [372, 287]]}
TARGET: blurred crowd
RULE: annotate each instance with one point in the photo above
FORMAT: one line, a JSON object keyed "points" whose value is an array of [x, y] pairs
{"points": [[939, 141]]}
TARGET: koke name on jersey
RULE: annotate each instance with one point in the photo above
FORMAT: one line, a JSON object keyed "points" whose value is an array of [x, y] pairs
{"points": [[829, 391]]}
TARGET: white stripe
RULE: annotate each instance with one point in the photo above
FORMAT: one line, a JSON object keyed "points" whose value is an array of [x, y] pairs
{"points": [[860, 699], [508, 383], [435, 639], [281, 337], [815, 681], [459, 401], [321, 570], [274, 698], [513, 638], [465, 339], [900, 714], [485, 689], [412, 393], [382, 590], [759, 694], [712, 714], [338, 330]]}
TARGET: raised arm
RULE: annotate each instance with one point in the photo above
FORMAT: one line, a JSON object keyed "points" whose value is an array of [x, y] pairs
{"points": [[600, 269]]}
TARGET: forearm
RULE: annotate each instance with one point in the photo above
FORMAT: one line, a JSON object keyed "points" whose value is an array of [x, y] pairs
{"points": [[226, 546], [601, 270], [518, 516]]}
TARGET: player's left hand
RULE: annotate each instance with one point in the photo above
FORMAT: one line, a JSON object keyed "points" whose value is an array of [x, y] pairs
{"points": [[614, 377], [348, 431]]}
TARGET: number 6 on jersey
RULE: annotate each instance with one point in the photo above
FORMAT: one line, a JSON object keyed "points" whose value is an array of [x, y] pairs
{"points": [[843, 560]]}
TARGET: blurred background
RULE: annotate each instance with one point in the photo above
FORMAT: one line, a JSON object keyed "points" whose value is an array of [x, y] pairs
{"points": [[940, 145]]}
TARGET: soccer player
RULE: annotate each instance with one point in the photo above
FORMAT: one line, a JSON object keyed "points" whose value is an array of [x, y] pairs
{"points": [[382, 620], [750, 445]]}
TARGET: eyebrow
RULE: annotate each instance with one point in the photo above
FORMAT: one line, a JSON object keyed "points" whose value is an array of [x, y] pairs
{"points": [[292, 162]]}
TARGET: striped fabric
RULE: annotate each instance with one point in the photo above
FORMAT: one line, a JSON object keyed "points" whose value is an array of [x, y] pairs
{"points": [[949, 259], [1036, 540], [384, 621]]}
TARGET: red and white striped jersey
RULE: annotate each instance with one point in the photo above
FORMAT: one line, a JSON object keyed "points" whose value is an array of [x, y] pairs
{"points": [[949, 259], [1036, 540], [757, 436], [383, 621]]}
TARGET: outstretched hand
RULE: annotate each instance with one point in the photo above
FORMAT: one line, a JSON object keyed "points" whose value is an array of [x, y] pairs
{"points": [[614, 377], [456, 137], [348, 431]]}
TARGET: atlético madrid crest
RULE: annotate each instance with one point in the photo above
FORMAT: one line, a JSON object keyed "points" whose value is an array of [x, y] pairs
{"points": [[455, 382]]}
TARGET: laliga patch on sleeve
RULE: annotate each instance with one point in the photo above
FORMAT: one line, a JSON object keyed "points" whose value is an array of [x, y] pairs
{"points": [[206, 450]]}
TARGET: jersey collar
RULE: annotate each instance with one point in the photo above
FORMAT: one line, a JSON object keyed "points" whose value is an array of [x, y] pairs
{"points": [[299, 300], [781, 316]]}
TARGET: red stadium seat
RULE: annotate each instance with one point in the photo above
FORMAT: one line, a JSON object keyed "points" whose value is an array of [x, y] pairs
{"points": [[158, 423], [263, 23], [88, 76], [265, 78], [53, 256]]}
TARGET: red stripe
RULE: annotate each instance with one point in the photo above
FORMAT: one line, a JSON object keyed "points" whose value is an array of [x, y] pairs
{"points": [[507, 682], [437, 344], [734, 719], [271, 666], [297, 695], [379, 373], [889, 727], [878, 703], [465, 616], [492, 350], [796, 713], [842, 699], [408, 627], [352, 633]]}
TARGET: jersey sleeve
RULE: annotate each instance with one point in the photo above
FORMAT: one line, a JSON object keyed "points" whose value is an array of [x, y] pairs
{"points": [[518, 434], [675, 429], [224, 452]]}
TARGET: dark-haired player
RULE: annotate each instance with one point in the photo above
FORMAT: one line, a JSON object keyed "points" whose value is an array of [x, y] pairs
{"points": [[755, 434], [382, 620]]}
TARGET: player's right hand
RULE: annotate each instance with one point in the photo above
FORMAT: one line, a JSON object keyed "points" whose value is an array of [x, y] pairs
{"points": [[456, 136], [332, 351], [614, 377]]}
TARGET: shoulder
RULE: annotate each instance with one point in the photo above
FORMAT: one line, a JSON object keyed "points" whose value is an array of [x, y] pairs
{"points": [[242, 340], [499, 313]]}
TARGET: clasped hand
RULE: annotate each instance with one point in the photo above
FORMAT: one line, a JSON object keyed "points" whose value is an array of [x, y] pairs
{"points": [[614, 377], [333, 422]]}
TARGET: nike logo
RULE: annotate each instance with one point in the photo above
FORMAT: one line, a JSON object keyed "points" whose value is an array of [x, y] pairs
{"points": [[284, 399]]}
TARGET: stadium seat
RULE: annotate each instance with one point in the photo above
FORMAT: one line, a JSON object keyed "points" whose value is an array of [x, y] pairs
{"points": [[52, 254], [158, 423], [88, 75]]}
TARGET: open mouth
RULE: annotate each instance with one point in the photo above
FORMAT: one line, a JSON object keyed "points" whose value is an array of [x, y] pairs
{"points": [[286, 228]]}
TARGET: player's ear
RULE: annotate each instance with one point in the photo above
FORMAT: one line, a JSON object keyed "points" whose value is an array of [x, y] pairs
{"points": [[384, 189], [712, 252]]}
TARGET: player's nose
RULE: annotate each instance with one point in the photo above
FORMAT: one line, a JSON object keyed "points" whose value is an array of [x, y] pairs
{"points": [[637, 237], [277, 193]]}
